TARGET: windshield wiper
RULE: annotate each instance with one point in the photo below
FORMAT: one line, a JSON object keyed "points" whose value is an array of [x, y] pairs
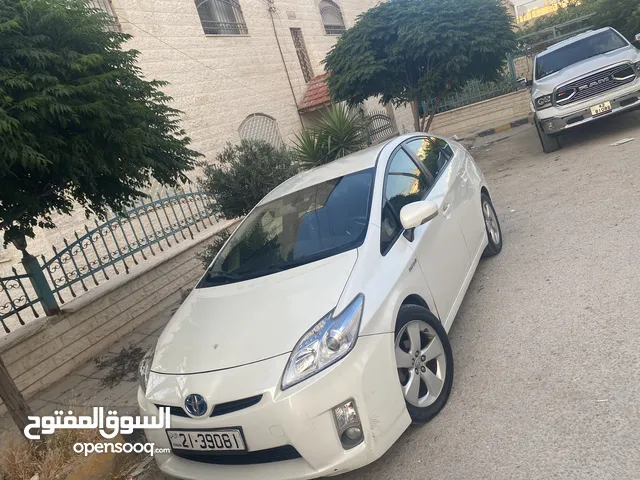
{"points": [[215, 278]]}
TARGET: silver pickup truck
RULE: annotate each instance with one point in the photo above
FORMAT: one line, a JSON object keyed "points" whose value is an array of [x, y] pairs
{"points": [[587, 77]]}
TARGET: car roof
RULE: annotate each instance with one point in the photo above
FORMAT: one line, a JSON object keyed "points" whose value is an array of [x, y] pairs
{"points": [[576, 38], [355, 162]]}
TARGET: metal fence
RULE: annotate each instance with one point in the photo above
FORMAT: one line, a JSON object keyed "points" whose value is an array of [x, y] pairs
{"points": [[534, 43], [473, 92], [95, 254], [380, 126]]}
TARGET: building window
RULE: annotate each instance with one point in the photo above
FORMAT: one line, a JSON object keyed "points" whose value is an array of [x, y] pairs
{"points": [[258, 126], [332, 18], [221, 17], [107, 7], [303, 56]]}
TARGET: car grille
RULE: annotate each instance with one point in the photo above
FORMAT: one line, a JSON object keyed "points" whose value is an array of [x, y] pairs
{"points": [[220, 408], [595, 84], [270, 455]]}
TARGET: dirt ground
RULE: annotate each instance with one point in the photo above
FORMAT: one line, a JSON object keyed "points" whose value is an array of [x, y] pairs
{"points": [[547, 376]]}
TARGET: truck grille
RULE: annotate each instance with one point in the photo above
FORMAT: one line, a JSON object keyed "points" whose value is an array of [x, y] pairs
{"points": [[595, 84]]}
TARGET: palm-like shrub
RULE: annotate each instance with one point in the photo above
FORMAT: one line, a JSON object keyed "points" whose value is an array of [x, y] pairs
{"points": [[340, 131]]}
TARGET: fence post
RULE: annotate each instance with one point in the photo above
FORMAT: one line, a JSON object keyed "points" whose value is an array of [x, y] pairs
{"points": [[36, 276], [512, 68]]}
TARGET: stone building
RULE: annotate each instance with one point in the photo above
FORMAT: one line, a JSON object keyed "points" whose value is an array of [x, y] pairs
{"points": [[239, 68]]}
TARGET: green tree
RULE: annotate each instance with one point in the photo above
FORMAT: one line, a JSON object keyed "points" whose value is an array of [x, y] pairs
{"points": [[78, 122], [406, 51], [623, 15], [243, 174], [570, 11]]}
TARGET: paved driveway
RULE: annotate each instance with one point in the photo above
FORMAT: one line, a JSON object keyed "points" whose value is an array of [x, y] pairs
{"points": [[547, 341]]}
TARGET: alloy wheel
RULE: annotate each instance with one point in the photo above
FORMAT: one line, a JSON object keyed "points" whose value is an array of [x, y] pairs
{"points": [[421, 363], [491, 222]]}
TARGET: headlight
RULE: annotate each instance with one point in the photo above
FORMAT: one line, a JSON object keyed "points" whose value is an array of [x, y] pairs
{"points": [[542, 102], [145, 368], [325, 343]]}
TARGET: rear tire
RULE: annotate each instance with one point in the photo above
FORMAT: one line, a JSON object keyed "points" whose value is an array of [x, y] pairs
{"points": [[418, 330], [550, 143]]}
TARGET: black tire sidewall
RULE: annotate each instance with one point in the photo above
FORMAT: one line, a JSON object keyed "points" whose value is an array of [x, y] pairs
{"points": [[492, 247], [409, 313], [549, 143]]}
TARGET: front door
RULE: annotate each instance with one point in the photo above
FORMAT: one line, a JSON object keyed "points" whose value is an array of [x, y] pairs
{"points": [[439, 244]]}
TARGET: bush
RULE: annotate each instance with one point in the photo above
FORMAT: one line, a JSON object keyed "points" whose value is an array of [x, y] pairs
{"points": [[52, 458], [243, 174], [339, 132], [208, 253]]}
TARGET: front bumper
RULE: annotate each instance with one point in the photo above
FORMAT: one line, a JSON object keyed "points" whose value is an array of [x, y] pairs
{"points": [[300, 417], [561, 120]]}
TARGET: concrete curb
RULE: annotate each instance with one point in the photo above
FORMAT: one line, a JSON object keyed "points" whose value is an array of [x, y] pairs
{"points": [[504, 127]]}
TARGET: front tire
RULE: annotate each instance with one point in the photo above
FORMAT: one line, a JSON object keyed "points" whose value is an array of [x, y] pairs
{"points": [[492, 226], [550, 143], [425, 362]]}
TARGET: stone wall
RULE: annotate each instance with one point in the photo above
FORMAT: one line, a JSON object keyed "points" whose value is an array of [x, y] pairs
{"points": [[471, 118], [219, 80], [47, 349], [489, 113]]}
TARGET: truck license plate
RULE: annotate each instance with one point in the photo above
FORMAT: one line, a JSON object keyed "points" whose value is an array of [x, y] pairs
{"points": [[600, 109]]}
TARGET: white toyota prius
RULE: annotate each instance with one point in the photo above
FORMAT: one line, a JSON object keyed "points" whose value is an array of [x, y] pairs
{"points": [[319, 332]]}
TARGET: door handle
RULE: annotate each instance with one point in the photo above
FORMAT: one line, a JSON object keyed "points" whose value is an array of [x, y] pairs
{"points": [[446, 209]]}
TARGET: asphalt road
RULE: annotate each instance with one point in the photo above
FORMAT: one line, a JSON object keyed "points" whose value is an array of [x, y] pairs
{"points": [[547, 341]]}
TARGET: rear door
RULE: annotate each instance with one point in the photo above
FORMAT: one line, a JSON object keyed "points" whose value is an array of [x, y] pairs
{"points": [[439, 244]]}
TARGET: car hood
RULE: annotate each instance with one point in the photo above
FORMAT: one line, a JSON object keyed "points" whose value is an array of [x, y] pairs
{"points": [[245, 322], [547, 84]]}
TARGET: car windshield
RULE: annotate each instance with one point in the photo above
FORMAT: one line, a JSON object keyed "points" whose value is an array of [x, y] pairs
{"points": [[304, 226], [575, 52]]}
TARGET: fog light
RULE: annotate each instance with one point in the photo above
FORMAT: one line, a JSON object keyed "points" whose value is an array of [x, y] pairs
{"points": [[348, 424], [550, 125], [353, 433]]}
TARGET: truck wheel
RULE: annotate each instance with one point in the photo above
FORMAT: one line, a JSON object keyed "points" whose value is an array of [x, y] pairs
{"points": [[550, 143]]}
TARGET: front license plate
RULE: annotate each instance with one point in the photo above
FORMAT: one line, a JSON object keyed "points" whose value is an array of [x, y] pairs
{"points": [[207, 440], [600, 109]]}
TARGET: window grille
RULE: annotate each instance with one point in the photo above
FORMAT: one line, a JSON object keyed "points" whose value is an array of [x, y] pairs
{"points": [[221, 17]]}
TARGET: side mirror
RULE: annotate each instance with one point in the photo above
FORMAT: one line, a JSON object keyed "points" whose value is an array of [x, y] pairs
{"points": [[417, 213]]}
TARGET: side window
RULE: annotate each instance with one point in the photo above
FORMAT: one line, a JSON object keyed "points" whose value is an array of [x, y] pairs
{"points": [[404, 184], [446, 148], [434, 153]]}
